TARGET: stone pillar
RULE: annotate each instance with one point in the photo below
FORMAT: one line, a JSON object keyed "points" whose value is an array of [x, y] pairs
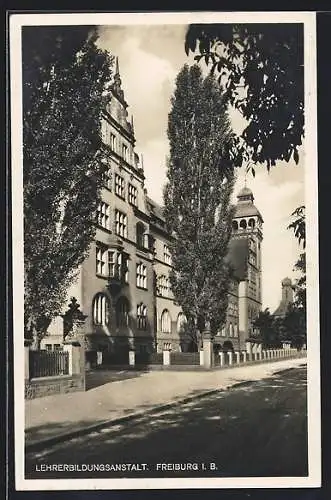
{"points": [[132, 358], [75, 354], [237, 357], [99, 358], [222, 360], [249, 351], [230, 358], [245, 357], [69, 348], [166, 357], [207, 349], [201, 357], [27, 344], [263, 355]]}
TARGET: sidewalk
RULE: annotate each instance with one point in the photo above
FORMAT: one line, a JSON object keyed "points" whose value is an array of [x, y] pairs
{"points": [[63, 414]]}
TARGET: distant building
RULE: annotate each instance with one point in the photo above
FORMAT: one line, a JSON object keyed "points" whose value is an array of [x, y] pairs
{"points": [[287, 298], [123, 285]]}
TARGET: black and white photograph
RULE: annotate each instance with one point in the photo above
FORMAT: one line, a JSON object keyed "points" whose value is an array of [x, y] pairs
{"points": [[165, 250]]}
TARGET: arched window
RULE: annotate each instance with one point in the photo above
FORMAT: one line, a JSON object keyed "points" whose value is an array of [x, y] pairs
{"points": [[235, 330], [140, 230], [243, 224], [122, 312], [141, 316], [101, 309], [165, 322], [230, 330], [235, 225], [251, 223], [181, 321], [223, 331]]}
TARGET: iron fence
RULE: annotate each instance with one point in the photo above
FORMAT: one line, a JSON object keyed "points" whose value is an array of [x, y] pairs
{"points": [[48, 363], [185, 358]]}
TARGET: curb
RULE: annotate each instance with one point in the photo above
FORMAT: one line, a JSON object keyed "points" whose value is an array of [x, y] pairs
{"points": [[66, 436]]}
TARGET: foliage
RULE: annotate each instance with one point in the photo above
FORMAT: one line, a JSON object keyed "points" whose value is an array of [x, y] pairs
{"points": [[197, 199], [295, 325], [298, 224], [260, 69], [300, 285], [269, 329], [65, 87]]}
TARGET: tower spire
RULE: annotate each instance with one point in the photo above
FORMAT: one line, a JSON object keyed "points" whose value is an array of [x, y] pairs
{"points": [[117, 70]]}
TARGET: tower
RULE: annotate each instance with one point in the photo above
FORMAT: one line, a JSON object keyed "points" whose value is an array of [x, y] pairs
{"points": [[287, 298], [247, 236]]}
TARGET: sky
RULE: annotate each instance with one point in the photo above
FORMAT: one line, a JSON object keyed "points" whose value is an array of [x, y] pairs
{"points": [[150, 57]]}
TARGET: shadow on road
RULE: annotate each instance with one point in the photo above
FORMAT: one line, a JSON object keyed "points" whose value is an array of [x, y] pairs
{"points": [[254, 430], [101, 377]]}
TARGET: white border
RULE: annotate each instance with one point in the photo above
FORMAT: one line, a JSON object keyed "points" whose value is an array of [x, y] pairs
{"points": [[311, 193]]}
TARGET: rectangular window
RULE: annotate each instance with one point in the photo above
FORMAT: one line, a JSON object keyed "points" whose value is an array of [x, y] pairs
{"points": [[103, 215], [125, 152], [141, 276], [58, 347], [101, 261], [48, 347], [166, 255], [111, 263], [119, 186], [132, 195], [163, 286], [121, 224], [112, 141]]}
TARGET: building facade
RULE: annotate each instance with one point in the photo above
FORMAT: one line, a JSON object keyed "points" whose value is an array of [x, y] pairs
{"points": [[123, 286]]}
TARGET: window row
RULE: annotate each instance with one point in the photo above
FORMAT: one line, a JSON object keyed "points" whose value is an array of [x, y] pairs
{"points": [[109, 137], [104, 220], [231, 331], [102, 315], [165, 322], [112, 264], [163, 286]]}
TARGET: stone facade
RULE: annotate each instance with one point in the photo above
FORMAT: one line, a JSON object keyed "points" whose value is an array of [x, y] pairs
{"points": [[123, 285]]}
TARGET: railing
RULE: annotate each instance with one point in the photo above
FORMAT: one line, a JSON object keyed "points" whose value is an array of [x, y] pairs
{"points": [[48, 363], [156, 358], [185, 358]]}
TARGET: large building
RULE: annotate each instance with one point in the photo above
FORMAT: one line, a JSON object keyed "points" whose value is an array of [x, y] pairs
{"points": [[123, 286]]}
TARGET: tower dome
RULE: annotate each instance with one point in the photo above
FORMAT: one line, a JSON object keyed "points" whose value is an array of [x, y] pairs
{"points": [[286, 282], [245, 191], [245, 205]]}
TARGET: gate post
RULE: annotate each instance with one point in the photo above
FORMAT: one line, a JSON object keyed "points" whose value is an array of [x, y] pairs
{"points": [[207, 348]]}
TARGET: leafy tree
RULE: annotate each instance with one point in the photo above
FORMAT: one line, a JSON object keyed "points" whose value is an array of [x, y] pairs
{"points": [[269, 328], [260, 69], [295, 325], [298, 224], [295, 319], [65, 87], [197, 199]]}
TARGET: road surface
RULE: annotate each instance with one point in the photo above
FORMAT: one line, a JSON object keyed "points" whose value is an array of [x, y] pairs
{"points": [[256, 429]]}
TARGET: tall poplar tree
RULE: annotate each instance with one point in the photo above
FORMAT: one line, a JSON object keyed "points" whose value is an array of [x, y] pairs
{"points": [[197, 196], [65, 87]]}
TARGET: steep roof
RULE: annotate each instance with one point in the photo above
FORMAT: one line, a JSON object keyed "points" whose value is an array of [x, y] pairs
{"points": [[155, 208], [246, 209]]}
